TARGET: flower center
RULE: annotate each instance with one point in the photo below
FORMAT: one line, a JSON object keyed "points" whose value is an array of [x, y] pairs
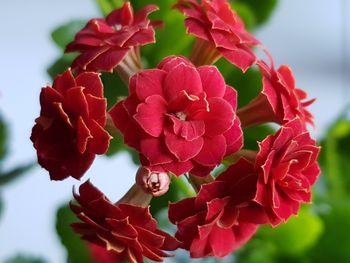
{"points": [[181, 115], [117, 27]]}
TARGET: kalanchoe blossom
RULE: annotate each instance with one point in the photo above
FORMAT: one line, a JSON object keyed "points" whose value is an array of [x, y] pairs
{"points": [[104, 44], [222, 217], [156, 184], [220, 32], [70, 129], [280, 101], [287, 167], [179, 117], [126, 230]]}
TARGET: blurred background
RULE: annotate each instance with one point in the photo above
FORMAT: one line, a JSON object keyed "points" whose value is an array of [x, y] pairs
{"points": [[311, 36]]}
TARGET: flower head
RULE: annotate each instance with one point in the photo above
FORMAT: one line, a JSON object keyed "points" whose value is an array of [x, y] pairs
{"points": [[126, 230], [287, 167], [280, 101], [179, 117], [103, 43], [218, 25], [70, 128], [222, 217]]}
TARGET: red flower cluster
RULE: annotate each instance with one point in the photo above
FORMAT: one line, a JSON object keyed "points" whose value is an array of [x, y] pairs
{"points": [[70, 129], [126, 230], [179, 117], [222, 217], [287, 167], [280, 101], [104, 43], [215, 22]]}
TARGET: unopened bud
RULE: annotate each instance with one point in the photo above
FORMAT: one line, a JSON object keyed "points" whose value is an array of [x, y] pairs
{"points": [[154, 183]]}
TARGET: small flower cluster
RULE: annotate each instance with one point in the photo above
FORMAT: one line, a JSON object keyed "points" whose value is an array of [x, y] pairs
{"points": [[181, 118]]}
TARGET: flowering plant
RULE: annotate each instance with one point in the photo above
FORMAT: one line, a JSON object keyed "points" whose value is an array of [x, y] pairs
{"points": [[183, 120]]}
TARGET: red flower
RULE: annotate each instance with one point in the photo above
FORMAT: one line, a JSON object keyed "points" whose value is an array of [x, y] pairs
{"points": [[217, 24], [222, 217], [287, 167], [180, 118], [126, 230], [101, 255], [104, 43], [280, 101], [70, 129]]}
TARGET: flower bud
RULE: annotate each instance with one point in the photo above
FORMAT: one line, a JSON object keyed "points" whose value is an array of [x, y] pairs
{"points": [[154, 183]]}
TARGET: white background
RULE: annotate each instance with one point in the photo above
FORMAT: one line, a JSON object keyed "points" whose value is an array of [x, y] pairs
{"points": [[309, 35]]}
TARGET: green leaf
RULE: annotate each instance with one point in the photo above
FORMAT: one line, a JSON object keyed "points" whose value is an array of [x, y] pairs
{"points": [[114, 88], [3, 138], [65, 34], [335, 160], [60, 65], [24, 259], [171, 39], [178, 189], [262, 9], [334, 244], [107, 6], [254, 134], [297, 235], [15, 173], [76, 248]]}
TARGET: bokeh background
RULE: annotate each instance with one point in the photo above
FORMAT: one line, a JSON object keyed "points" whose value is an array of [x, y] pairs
{"points": [[311, 36]]}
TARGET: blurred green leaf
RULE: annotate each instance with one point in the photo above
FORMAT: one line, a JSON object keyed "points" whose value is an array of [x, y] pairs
{"points": [[335, 159], [1, 205], [178, 189], [297, 235], [114, 88], [64, 34], [60, 65], [257, 250], [262, 9], [248, 85], [76, 248], [254, 134], [24, 259], [172, 39], [334, 244], [107, 6], [3, 139], [15, 173], [245, 12]]}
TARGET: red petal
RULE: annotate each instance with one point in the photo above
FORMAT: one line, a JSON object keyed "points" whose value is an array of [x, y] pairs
{"points": [[196, 27], [155, 151], [182, 77], [142, 37], [75, 103], [212, 81], [109, 59], [91, 82], [64, 82], [83, 135], [150, 115], [242, 57], [121, 16], [183, 150], [149, 82], [100, 142], [212, 152], [219, 119]]}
